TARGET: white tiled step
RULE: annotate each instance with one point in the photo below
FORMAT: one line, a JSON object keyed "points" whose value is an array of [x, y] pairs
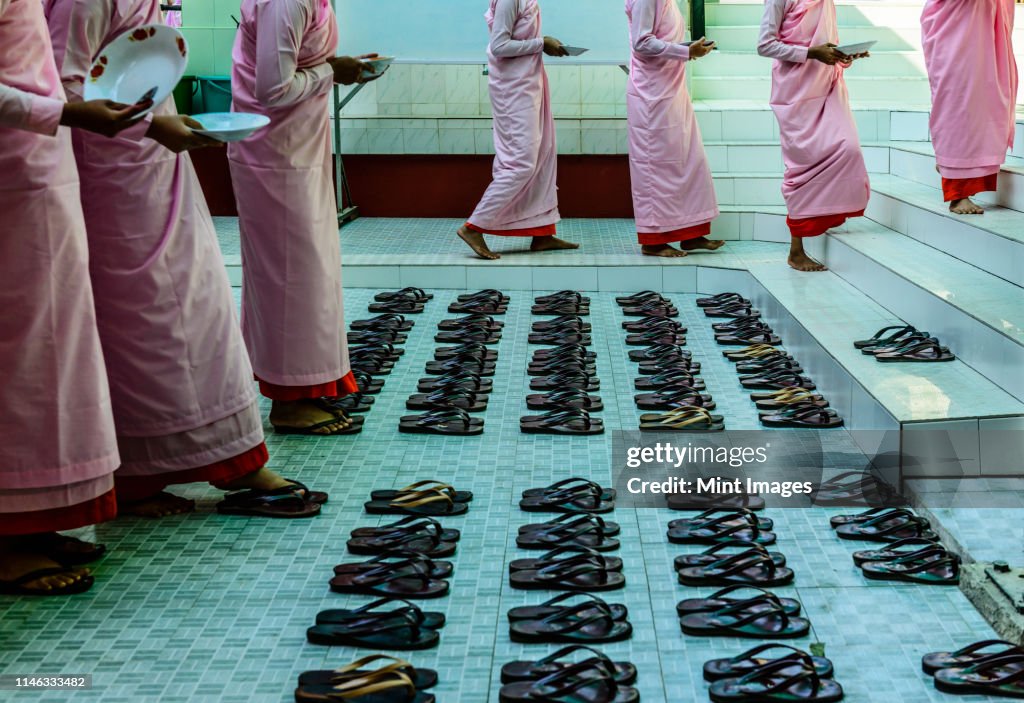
{"points": [[885, 13], [744, 38], [993, 242], [894, 91], [888, 64], [979, 316], [820, 315], [915, 161]]}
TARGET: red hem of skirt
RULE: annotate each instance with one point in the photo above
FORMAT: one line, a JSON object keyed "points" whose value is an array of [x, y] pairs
{"points": [[542, 231], [91, 512], [960, 188], [132, 488], [345, 385], [676, 235], [815, 226]]}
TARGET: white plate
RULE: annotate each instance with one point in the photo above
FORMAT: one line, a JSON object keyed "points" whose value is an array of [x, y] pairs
{"points": [[853, 49], [380, 63], [230, 126], [147, 60]]}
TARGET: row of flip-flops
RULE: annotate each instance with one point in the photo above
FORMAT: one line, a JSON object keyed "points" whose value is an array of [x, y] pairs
{"points": [[910, 550], [904, 343], [669, 377], [459, 380], [575, 564], [784, 396], [564, 372]]}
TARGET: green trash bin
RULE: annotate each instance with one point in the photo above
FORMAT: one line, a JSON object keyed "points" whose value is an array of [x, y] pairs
{"points": [[215, 92], [184, 95]]}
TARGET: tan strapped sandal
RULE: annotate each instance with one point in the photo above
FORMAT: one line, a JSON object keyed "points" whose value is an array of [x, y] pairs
{"points": [[754, 351], [377, 686], [432, 502], [687, 418], [421, 678], [790, 396], [427, 485]]}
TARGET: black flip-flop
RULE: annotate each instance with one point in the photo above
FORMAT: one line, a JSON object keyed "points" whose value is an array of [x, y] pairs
{"points": [[408, 578], [674, 396], [425, 541], [703, 501], [588, 681], [409, 525], [400, 633], [291, 501], [461, 379], [407, 293], [722, 599], [564, 421], [461, 398], [405, 307], [575, 624], [743, 664], [675, 377], [580, 572], [887, 527], [387, 321], [558, 339], [471, 321], [555, 555], [553, 366], [484, 307], [778, 380], [750, 568], [932, 566], [968, 656], [564, 351], [584, 530], [727, 515], [472, 364], [562, 295], [567, 599], [721, 299], [566, 379], [574, 323], [624, 673], [717, 551], [570, 484], [352, 403], [762, 620], [467, 349], [886, 336], [470, 334], [421, 562], [923, 352], [995, 676], [569, 397], [645, 296], [367, 383], [573, 498], [811, 415], [748, 340], [376, 337], [443, 421], [783, 680], [372, 611]]}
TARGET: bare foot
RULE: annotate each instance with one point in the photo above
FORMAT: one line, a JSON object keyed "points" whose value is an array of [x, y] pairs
{"points": [[701, 243], [551, 244], [300, 414], [16, 564], [965, 206], [665, 250], [802, 262], [476, 242], [163, 504]]}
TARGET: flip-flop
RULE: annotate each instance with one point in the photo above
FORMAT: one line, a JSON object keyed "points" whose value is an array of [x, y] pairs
{"points": [[995, 676], [386, 687], [674, 396], [352, 403], [484, 307], [811, 415], [717, 551], [675, 377], [968, 656], [558, 339], [875, 513], [566, 379], [421, 678], [367, 383], [784, 680], [571, 484], [400, 633], [568, 599], [456, 364], [552, 558], [485, 294], [408, 578], [933, 566], [553, 366], [429, 503], [405, 307], [703, 501], [777, 380], [576, 624], [564, 351], [429, 484], [355, 426], [607, 527], [788, 396], [887, 528], [588, 681], [424, 541], [572, 529], [565, 421], [571, 322], [408, 293], [721, 527], [461, 379], [927, 352], [65, 550], [444, 421], [654, 352], [900, 344], [409, 525], [467, 349], [732, 309], [856, 488], [670, 365], [461, 398], [387, 321], [18, 587], [651, 311], [686, 418], [422, 563], [750, 568], [655, 337], [372, 612], [574, 498], [641, 298], [573, 295], [728, 515], [721, 599], [761, 338], [624, 673], [580, 572], [566, 308], [376, 337], [569, 397], [754, 351], [471, 321], [743, 664], [886, 336], [680, 412], [285, 502], [720, 299], [764, 619]]}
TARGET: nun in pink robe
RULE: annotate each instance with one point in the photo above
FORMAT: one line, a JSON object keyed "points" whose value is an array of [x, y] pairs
{"points": [[522, 199], [673, 193], [292, 315], [968, 49], [183, 396], [58, 451], [826, 181]]}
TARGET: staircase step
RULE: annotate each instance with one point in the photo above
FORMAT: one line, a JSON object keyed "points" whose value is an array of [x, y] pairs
{"points": [[746, 62], [892, 91], [744, 37], [993, 242], [916, 161], [884, 14], [834, 313], [978, 315]]}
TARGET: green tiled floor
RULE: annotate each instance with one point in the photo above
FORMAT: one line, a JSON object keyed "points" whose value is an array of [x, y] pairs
{"points": [[210, 608]]}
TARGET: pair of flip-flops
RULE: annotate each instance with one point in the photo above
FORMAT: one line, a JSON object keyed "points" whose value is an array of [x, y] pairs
{"points": [[566, 378], [863, 487], [772, 672], [444, 420], [382, 336], [386, 322], [883, 525], [419, 534], [904, 343], [404, 301], [673, 396], [334, 408], [707, 501], [568, 397], [484, 302], [571, 529], [762, 616], [720, 299], [394, 680], [986, 668], [386, 623], [722, 525], [754, 566], [624, 673], [568, 419], [747, 332], [810, 414], [294, 500], [422, 499], [674, 376], [565, 302], [574, 495], [568, 569], [413, 576], [915, 560], [682, 418], [593, 681], [570, 619]]}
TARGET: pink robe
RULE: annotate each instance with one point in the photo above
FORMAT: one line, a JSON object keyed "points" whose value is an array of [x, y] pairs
{"points": [[673, 193], [522, 199], [292, 315], [57, 447], [968, 48], [825, 180], [179, 374]]}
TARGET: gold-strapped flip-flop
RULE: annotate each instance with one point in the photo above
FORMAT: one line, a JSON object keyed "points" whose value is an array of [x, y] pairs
{"points": [[687, 418]]}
